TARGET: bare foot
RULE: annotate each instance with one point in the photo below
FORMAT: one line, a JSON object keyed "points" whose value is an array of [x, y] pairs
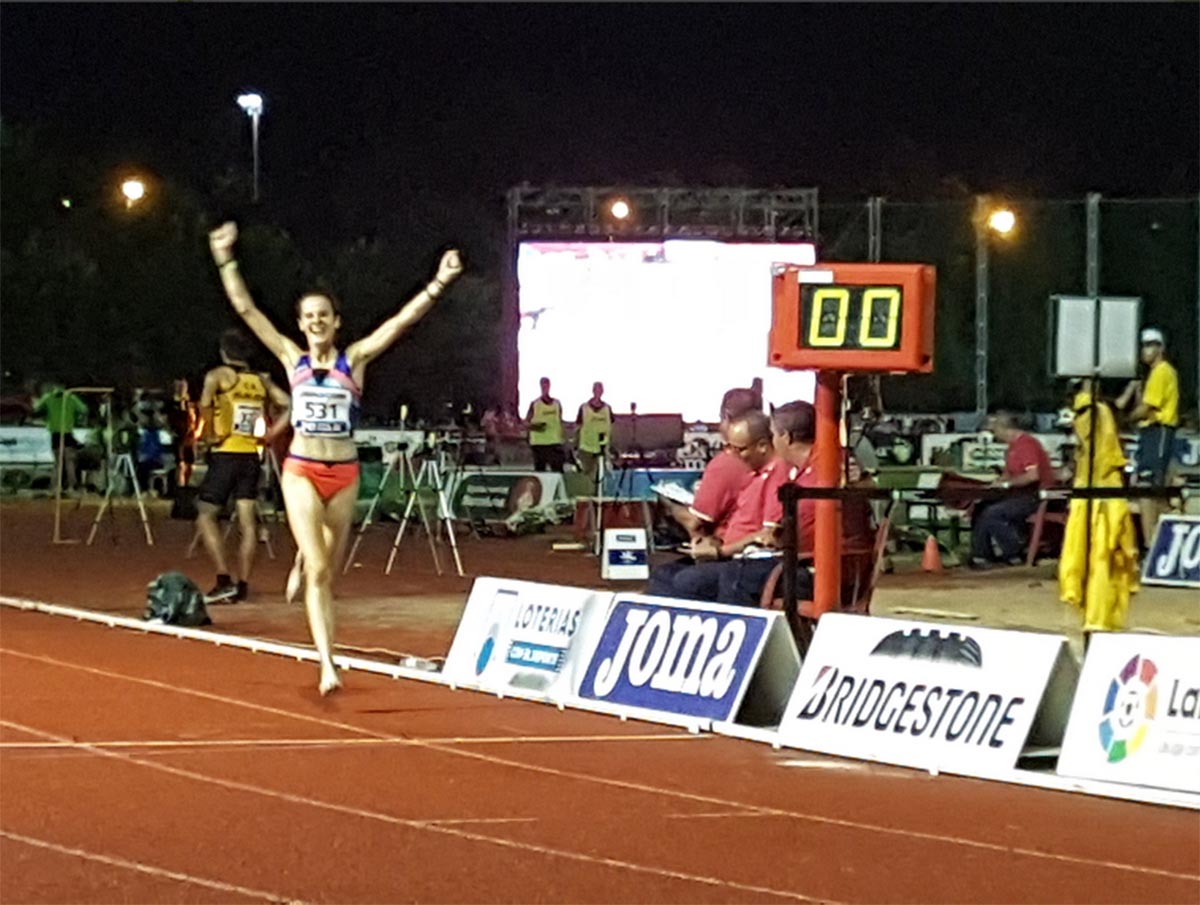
{"points": [[330, 682]]}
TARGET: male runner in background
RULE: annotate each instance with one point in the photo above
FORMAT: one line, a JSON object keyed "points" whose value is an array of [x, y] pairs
{"points": [[233, 405]]}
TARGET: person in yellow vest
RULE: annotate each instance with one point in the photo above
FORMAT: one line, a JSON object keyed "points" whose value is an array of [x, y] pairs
{"points": [[546, 430], [594, 424], [233, 406], [1156, 411], [1109, 567]]}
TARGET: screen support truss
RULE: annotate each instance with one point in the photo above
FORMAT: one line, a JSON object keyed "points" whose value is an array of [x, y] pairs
{"points": [[774, 215]]}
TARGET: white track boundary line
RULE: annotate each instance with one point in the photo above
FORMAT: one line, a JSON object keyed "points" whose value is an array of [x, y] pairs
{"points": [[149, 869], [432, 826], [624, 784]]}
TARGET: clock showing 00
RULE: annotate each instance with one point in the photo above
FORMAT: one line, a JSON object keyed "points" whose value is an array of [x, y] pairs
{"points": [[850, 317], [853, 317]]}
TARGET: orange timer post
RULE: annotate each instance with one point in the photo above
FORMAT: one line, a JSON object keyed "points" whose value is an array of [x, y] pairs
{"points": [[837, 319], [853, 317]]}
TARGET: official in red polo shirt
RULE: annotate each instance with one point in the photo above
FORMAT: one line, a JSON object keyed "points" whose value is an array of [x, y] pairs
{"points": [[749, 438], [793, 428], [997, 525], [724, 477]]}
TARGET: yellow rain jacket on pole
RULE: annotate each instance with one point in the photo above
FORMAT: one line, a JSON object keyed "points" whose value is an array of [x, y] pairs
{"points": [[1111, 572]]}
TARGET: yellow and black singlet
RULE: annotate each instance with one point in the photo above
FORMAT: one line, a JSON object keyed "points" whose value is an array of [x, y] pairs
{"points": [[237, 411]]}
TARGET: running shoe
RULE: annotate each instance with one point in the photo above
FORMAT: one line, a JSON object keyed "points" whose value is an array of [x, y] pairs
{"points": [[225, 591]]}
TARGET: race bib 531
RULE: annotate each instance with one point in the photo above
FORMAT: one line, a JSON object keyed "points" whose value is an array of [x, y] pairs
{"points": [[322, 411]]}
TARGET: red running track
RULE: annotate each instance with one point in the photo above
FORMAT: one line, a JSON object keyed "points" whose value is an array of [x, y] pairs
{"points": [[142, 768]]}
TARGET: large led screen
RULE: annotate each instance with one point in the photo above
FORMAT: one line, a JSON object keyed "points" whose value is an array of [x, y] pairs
{"points": [[669, 326]]}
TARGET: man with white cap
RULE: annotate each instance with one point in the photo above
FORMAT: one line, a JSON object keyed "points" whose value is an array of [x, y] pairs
{"points": [[1156, 411]]}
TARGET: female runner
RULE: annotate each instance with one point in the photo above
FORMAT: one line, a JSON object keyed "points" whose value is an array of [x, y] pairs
{"points": [[320, 473]]}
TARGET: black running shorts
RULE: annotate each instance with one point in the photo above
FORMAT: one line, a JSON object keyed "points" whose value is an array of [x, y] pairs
{"points": [[231, 474]]}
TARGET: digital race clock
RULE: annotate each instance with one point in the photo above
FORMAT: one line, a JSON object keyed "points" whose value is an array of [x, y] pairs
{"points": [[853, 317]]}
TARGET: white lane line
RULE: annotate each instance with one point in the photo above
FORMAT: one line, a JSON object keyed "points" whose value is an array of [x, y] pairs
{"points": [[459, 821], [150, 869], [851, 766], [337, 742], [714, 815], [848, 766], [431, 826], [818, 819]]}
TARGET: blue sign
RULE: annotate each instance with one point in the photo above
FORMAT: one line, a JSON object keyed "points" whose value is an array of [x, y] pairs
{"points": [[1174, 559], [679, 659], [635, 557], [539, 656]]}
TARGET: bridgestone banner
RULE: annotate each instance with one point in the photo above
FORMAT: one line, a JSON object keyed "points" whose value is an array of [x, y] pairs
{"points": [[959, 699], [1136, 717]]}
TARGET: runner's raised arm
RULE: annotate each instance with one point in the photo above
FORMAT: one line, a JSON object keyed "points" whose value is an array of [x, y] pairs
{"points": [[221, 241]]}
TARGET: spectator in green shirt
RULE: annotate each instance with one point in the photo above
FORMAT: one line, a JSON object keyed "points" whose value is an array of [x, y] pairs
{"points": [[63, 411]]}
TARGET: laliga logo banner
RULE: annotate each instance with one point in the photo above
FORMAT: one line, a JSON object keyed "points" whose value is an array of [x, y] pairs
{"points": [[959, 699], [1136, 717], [688, 658], [1174, 558], [527, 638]]}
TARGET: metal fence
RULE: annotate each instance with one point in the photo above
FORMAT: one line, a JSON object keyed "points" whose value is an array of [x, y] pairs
{"points": [[1144, 247]]}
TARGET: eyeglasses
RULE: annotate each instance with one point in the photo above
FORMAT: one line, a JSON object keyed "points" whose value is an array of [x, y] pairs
{"points": [[747, 447]]}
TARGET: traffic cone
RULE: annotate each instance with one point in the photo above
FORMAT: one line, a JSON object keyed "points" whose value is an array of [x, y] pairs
{"points": [[931, 559]]}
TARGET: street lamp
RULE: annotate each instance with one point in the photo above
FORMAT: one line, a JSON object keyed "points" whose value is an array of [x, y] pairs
{"points": [[134, 191], [1001, 221], [252, 103]]}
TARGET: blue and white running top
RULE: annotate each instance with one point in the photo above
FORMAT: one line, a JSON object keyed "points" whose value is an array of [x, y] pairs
{"points": [[325, 402]]}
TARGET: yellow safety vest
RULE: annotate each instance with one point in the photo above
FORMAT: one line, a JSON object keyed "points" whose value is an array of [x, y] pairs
{"points": [[596, 431], [550, 415], [237, 411]]}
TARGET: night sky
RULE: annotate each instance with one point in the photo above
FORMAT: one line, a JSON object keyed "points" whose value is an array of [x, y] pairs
{"points": [[378, 100]]}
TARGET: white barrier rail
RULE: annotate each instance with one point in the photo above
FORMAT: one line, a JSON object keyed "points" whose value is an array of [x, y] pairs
{"points": [[221, 639]]}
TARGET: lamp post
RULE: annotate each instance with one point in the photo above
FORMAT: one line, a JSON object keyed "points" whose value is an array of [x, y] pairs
{"points": [[987, 220], [252, 103]]}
